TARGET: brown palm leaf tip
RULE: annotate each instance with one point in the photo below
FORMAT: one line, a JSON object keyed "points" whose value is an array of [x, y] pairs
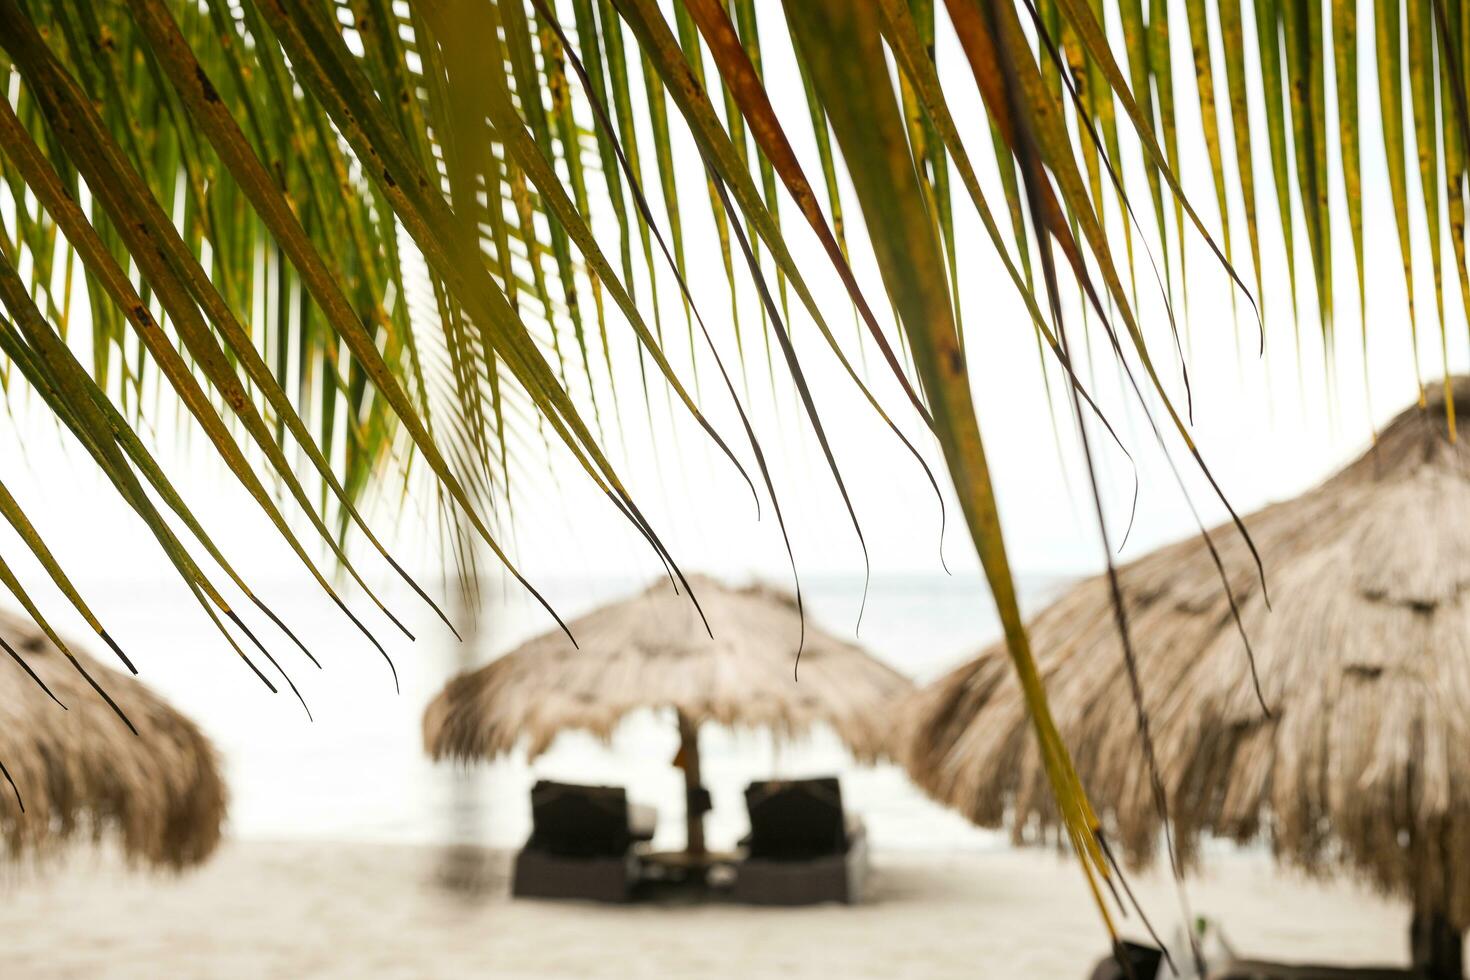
{"points": [[1364, 763], [82, 774], [652, 651]]}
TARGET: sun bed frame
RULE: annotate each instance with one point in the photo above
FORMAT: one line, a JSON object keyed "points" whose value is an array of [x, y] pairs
{"points": [[802, 849], [585, 844]]}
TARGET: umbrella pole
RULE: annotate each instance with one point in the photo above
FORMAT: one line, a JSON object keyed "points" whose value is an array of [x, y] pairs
{"points": [[693, 804], [1438, 947]]}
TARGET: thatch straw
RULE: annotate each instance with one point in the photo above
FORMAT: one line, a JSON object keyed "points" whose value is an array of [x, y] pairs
{"points": [[82, 774], [652, 651], [1365, 665]]}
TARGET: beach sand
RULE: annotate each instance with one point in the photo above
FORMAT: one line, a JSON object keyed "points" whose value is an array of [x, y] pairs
{"points": [[306, 909]]}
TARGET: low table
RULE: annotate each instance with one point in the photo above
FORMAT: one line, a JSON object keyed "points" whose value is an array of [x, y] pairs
{"points": [[713, 867]]}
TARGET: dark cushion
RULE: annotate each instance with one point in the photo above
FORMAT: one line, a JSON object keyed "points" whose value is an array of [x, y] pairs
{"points": [[579, 821], [796, 819]]}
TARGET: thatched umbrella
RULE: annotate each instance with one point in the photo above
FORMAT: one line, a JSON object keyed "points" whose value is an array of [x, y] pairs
{"points": [[1364, 763], [80, 773], [652, 651]]}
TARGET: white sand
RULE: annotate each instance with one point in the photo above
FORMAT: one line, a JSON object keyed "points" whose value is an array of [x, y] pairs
{"points": [[357, 910]]}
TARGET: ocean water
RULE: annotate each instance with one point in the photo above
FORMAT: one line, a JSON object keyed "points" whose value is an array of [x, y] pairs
{"points": [[358, 771]]}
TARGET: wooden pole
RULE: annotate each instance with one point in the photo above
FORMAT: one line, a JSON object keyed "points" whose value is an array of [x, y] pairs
{"points": [[1438, 947], [693, 791]]}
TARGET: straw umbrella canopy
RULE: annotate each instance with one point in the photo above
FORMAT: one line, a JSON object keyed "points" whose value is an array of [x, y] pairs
{"points": [[1362, 765], [653, 651], [80, 773]]}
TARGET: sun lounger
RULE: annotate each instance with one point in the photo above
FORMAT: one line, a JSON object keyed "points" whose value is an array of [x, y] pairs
{"points": [[1261, 970], [1222, 964], [1147, 962], [584, 843], [1436, 950], [802, 849], [1144, 961]]}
